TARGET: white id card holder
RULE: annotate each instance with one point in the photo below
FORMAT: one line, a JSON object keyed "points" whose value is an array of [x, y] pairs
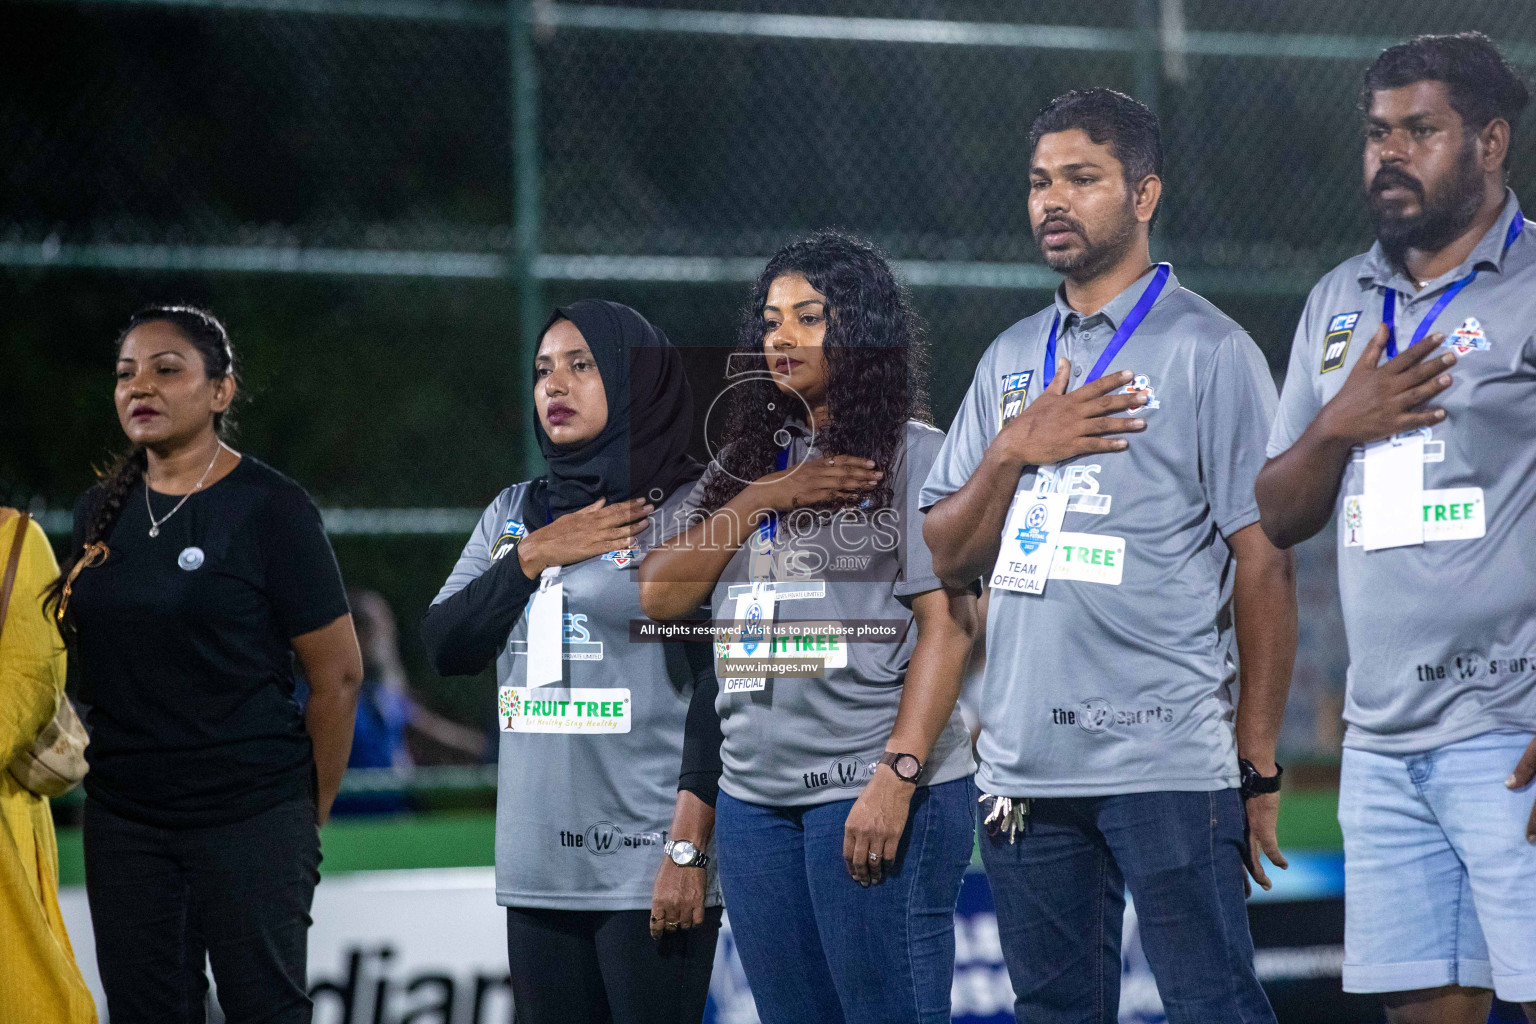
{"points": [[754, 611], [1392, 503], [546, 629], [1029, 543]]}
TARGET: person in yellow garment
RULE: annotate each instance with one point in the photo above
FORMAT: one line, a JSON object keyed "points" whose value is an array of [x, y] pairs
{"points": [[39, 980]]}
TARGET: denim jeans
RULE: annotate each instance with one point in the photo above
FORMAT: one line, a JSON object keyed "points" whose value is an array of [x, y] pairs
{"points": [[817, 947], [166, 900], [1439, 881], [1060, 890]]}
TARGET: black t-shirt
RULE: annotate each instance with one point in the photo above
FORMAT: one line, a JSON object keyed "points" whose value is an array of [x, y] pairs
{"points": [[184, 652]]}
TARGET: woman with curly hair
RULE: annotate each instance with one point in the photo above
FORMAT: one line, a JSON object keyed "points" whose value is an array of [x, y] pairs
{"points": [[843, 825]]}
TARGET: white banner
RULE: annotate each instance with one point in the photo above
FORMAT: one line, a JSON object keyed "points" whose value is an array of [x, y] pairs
{"points": [[424, 946]]}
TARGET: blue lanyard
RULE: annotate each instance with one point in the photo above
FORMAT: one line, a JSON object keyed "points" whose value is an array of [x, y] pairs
{"points": [[1389, 299], [1127, 328], [770, 526]]}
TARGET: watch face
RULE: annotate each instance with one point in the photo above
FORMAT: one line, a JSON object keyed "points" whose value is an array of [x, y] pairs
{"points": [[683, 852], [907, 766]]}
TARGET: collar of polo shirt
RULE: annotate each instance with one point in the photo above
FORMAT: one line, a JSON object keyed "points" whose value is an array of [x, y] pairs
{"points": [[1116, 309]]}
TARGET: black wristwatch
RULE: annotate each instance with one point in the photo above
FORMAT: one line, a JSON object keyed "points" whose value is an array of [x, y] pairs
{"points": [[906, 766], [1252, 784]]}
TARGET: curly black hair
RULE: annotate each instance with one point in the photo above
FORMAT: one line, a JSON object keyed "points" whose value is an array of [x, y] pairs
{"points": [[876, 357]]}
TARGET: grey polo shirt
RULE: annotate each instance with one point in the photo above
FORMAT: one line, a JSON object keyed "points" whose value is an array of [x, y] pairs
{"points": [[1119, 678], [1442, 635], [581, 819], [800, 742]]}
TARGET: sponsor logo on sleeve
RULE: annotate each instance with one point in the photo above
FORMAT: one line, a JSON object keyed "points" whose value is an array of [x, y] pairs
{"points": [[511, 533], [1015, 391], [1336, 341]]}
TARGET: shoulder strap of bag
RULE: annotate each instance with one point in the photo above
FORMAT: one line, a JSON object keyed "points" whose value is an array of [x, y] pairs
{"points": [[10, 566]]}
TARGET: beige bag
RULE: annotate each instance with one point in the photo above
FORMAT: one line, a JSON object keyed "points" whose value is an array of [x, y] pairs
{"points": [[55, 763]]}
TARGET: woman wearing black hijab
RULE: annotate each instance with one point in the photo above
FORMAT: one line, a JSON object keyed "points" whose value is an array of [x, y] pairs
{"points": [[592, 723]]}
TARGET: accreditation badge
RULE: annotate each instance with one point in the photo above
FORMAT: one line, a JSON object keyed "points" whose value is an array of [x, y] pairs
{"points": [[1029, 543], [1392, 502], [546, 629], [750, 636]]}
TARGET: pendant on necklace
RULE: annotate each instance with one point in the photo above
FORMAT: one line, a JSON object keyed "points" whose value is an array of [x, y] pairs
{"points": [[154, 531]]}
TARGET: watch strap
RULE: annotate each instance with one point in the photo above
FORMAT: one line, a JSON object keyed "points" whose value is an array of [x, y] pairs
{"points": [[1252, 784], [890, 757]]}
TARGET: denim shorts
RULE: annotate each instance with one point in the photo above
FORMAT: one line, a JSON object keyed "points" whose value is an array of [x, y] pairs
{"points": [[1439, 881]]}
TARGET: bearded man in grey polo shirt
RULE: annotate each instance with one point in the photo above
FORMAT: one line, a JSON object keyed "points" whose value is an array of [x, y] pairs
{"points": [[1127, 574], [1436, 514]]}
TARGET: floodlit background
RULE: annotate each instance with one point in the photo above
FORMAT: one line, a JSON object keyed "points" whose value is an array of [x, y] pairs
{"points": [[383, 199]]}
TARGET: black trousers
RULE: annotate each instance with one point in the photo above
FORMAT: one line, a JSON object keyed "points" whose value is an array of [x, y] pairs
{"points": [[164, 899], [602, 966]]}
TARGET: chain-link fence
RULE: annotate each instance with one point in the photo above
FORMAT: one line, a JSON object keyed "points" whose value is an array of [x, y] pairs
{"points": [[382, 136], [386, 194]]}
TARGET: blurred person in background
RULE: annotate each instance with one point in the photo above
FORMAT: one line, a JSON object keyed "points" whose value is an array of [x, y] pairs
{"points": [[391, 718], [591, 720], [394, 729], [39, 980], [843, 818], [1427, 339], [1115, 754], [195, 576]]}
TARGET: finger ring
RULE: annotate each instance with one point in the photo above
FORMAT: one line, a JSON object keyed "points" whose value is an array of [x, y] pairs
{"points": [[671, 926], [874, 858], [655, 918]]}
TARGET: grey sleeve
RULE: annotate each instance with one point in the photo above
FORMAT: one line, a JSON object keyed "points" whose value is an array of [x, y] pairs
{"points": [[1236, 404], [1299, 402], [479, 605], [922, 448], [476, 556], [680, 516], [973, 429]]}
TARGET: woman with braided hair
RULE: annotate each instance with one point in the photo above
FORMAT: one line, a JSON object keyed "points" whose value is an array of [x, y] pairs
{"points": [[196, 575]]}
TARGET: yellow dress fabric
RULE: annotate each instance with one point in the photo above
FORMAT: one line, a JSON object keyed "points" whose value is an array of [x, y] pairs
{"points": [[39, 980]]}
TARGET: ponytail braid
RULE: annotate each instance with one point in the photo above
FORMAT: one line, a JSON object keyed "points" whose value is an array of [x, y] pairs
{"points": [[116, 483]]}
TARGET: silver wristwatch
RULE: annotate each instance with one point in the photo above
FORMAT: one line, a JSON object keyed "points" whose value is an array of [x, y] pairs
{"points": [[685, 855]]}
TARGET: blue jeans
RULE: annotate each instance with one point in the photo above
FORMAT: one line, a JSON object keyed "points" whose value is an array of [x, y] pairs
{"points": [[1439, 882], [817, 947], [1060, 896]]}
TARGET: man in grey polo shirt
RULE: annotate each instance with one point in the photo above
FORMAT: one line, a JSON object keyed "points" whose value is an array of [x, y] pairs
{"points": [[1110, 730], [1436, 514]]}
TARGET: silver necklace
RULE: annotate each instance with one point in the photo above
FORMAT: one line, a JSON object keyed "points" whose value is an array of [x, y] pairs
{"points": [[155, 524]]}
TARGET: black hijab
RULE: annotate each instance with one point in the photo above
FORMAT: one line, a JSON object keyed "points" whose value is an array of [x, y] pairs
{"points": [[643, 448]]}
